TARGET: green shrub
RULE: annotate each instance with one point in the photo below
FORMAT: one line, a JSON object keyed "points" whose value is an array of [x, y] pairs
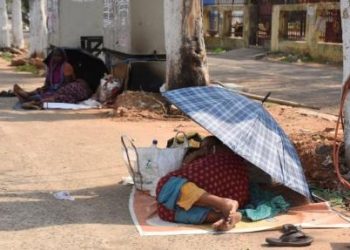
{"points": [[218, 50], [28, 68], [7, 56], [336, 198]]}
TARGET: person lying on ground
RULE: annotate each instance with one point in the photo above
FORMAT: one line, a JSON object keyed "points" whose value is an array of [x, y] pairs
{"points": [[60, 84], [209, 188]]}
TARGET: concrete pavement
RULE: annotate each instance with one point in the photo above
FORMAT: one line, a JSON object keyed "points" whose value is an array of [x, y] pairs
{"points": [[311, 84]]}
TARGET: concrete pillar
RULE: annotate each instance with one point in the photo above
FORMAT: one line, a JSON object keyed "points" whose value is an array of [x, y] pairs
{"points": [[246, 25], [221, 23], [311, 33], [226, 32], [206, 12], [275, 26], [253, 24]]}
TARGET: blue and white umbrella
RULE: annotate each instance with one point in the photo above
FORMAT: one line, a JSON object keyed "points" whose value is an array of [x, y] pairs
{"points": [[247, 128]]}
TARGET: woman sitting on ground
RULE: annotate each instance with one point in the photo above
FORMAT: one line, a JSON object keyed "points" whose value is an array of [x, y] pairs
{"points": [[210, 186], [60, 85]]}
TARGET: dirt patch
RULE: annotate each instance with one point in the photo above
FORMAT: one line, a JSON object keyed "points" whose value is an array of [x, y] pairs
{"points": [[313, 136], [135, 106]]}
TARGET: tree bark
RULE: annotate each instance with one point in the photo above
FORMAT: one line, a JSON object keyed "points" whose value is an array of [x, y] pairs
{"points": [[17, 24], [38, 28], [4, 26], [184, 41], [345, 15]]}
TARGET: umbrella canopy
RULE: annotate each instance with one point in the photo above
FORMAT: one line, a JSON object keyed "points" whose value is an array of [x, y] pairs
{"points": [[86, 66], [247, 128]]}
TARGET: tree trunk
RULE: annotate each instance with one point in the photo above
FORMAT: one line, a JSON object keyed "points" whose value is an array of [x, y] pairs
{"points": [[4, 26], [17, 24], [345, 14], [185, 48], [38, 28]]}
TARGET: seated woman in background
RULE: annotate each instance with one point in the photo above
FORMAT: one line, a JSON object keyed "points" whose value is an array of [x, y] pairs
{"points": [[209, 187], [60, 85]]}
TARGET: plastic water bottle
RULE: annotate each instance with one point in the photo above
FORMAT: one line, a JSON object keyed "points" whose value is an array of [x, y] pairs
{"points": [[154, 167], [154, 155], [150, 165], [150, 170]]}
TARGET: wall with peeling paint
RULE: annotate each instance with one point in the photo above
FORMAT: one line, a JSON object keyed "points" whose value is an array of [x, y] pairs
{"points": [[312, 45], [223, 38], [136, 28], [69, 20]]}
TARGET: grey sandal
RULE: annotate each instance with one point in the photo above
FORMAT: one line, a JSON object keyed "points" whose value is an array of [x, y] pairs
{"points": [[292, 236]]}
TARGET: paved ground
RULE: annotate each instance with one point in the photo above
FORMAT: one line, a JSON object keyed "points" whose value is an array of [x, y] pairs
{"points": [[43, 152], [312, 84]]}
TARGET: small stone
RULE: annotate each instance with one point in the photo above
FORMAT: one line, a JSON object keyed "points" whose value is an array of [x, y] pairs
{"points": [[121, 111]]}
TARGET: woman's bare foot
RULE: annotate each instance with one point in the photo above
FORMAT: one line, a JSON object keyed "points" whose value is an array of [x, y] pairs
{"points": [[231, 217], [16, 87], [20, 93], [32, 105], [225, 224], [228, 207], [213, 216]]}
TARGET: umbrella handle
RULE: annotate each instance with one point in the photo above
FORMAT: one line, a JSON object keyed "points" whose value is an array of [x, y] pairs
{"points": [[266, 97]]}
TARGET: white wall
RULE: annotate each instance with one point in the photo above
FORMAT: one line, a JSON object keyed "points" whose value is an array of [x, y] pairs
{"points": [[137, 27], [77, 18]]}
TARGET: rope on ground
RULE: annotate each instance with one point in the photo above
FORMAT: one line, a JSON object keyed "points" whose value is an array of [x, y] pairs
{"points": [[336, 145]]}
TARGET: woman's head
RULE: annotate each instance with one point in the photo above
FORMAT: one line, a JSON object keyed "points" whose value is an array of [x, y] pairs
{"points": [[58, 56], [210, 141]]}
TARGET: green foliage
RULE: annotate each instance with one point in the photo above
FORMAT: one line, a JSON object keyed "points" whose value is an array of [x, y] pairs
{"points": [[290, 58], [7, 56], [218, 50], [28, 68], [306, 58], [336, 198]]}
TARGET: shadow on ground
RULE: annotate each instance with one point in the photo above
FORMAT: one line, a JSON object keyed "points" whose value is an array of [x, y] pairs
{"points": [[101, 205], [9, 114], [340, 246]]}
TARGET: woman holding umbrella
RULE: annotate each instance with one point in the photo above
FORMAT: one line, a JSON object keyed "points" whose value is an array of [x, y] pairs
{"points": [[209, 188], [60, 85]]}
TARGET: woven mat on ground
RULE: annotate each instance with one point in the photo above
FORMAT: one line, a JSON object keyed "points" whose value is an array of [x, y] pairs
{"points": [[313, 215]]}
